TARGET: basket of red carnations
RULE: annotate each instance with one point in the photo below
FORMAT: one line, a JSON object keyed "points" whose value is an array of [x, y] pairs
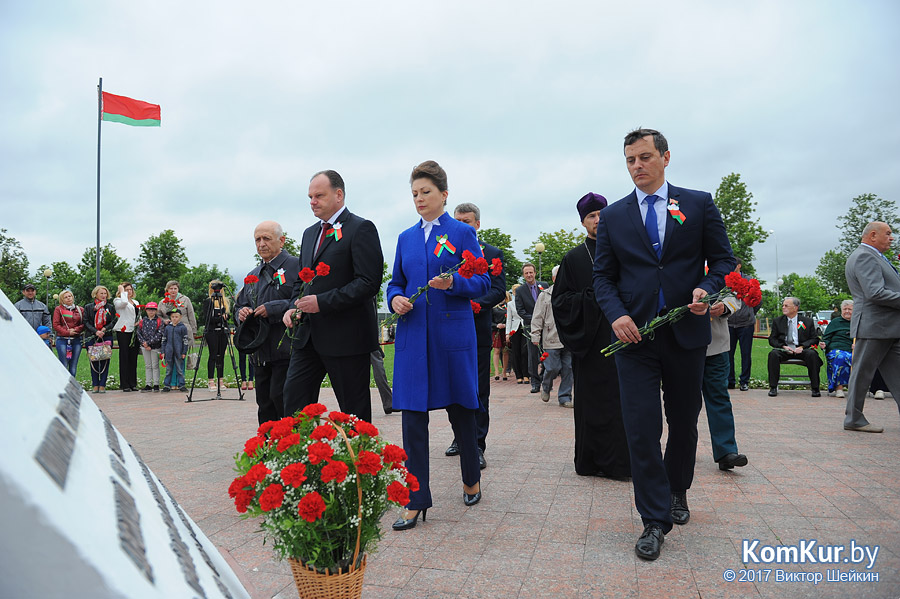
{"points": [[321, 483]]}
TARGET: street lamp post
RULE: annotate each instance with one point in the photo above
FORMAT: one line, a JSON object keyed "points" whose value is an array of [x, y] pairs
{"points": [[539, 248], [778, 281], [48, 274]]}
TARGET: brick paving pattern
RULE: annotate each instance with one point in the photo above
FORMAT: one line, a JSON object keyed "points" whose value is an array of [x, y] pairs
{"points": [[541, 530]]}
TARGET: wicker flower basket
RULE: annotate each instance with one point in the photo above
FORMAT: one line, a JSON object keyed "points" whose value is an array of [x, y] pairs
{"points": [[312, 584], [316, 585]]}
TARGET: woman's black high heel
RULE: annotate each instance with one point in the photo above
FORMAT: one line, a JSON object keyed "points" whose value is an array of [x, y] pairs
{"points": [[407, 523], [471, 500]]}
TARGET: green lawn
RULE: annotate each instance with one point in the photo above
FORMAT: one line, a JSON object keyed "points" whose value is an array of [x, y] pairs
{"points": [[759, 375], [84, 373]]}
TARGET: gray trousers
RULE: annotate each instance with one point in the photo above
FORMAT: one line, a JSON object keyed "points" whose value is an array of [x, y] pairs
{"points": [[869, 355], [151, 366], [376, 358], [558, 363]]}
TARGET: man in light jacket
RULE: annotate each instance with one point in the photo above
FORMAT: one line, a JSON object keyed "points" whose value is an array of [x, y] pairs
{"points": [[34, 310], [557, 360]]}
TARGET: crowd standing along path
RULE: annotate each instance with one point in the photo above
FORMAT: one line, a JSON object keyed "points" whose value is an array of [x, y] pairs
{"points": [[542, 531]]}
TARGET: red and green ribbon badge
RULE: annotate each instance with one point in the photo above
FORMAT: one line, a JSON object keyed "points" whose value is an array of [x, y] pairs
{"points": [[676, 212], [335, 232], [443, 244], [278, 277], [801, 325]]}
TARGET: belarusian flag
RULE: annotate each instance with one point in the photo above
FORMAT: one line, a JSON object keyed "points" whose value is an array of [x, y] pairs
{"points": [[131, 112]]}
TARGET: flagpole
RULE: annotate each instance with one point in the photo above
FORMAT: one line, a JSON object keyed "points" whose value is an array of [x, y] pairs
{"points": [[99, 120]]}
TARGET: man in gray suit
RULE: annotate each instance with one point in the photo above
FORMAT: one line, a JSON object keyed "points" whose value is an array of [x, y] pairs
{"points": [[875, 285]]}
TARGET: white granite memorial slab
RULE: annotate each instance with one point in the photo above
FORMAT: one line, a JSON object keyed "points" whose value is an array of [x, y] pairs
{"points": [[81, 515]]}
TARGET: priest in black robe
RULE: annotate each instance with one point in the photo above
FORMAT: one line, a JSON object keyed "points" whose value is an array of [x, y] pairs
{"points": [[600, 445]]}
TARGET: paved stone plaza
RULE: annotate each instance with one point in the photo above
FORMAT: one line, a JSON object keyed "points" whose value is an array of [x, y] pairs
{"points": [[542, 531]]}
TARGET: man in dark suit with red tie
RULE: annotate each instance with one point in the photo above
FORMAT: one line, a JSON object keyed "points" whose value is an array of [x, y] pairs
{"points": [[337, 330], [651, 249]]}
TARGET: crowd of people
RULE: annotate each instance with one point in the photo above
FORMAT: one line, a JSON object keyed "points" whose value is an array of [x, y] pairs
{"points": [[639, 261]]}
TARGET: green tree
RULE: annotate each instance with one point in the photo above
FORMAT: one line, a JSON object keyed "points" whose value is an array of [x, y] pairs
{"points": [[113, 270], [64, 277], [291, 245], [13, 266], [195, 285], [831, 273], [737, 207], [162, 259], [864, 209], [556, 246], [502, 241], [812, 294], [771, 306]]}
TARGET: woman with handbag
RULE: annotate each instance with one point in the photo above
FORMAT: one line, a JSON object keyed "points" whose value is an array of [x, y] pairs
{"points": [[68, 324], [128, 314], [99, 317]]}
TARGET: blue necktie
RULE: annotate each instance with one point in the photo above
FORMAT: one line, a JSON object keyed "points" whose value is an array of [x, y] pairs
{"points": [[652, 226]]}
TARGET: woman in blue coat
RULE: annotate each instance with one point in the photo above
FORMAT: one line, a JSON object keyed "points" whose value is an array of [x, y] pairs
{"points": [[435, 354]]}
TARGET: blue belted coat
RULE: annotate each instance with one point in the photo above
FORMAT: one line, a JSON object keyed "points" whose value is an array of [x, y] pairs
{"points": [[435, 361]]}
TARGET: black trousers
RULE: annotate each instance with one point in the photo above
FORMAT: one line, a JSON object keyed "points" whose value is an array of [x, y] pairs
{"points": [[217, 344], [128, 355], [809, 356], [482, 414], [641, 369], [743, 337], [415, 443], [349, 377], [270, 378], [534, 354], [518, 353]]}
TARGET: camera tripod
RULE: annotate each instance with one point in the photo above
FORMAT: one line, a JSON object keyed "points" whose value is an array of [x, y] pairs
{"points": [[218, 321]]}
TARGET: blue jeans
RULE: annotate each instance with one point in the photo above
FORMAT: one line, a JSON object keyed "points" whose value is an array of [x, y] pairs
{"points": [[71, 364], [174, 372]]}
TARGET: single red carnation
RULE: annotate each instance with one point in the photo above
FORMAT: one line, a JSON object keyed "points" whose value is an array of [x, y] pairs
{"points": [[334, 471], [468, 256], [294, 474], [368, 462], [123, 328], [398, 493], [322, 269], [467, 270], [481, 266], [250, 279], [242, 500], [307, 274], [319, 451], [271, 497], [311, 507], [282, 428], [315, 409], [265, 427], [322, 432], [237, 485], [339, 417], [256, 474], [288, 441], [253, 444], [393, 454], [412, 481], [496, 267], [476, 307], [365, 428]]}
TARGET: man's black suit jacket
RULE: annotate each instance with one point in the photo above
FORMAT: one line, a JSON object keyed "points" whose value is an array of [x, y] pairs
{"points": [[346, 323], [490, 299], [525, 303], [806, 334]]}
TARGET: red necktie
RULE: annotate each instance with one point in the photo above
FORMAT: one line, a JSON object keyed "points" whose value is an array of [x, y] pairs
{"points": [[321, 237]]}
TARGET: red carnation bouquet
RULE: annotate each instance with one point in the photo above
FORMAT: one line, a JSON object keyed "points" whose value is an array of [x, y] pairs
{"points": [[746, 290], [321, 483], [306, 275]]}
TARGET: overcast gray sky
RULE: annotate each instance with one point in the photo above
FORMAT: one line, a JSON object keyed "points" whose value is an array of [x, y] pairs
{"points": [[524, 103]]}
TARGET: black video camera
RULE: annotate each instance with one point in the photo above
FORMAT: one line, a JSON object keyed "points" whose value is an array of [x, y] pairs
{"points": [[217, 286]]}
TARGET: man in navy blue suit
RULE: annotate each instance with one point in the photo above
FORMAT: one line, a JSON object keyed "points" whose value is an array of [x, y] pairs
{"points": [[471, 215], [651, 249]]}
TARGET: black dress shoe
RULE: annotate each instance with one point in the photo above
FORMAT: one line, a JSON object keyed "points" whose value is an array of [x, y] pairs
{"points": [[126, 390], [650, 541], [816, 393], [407, 523], [731, 385], [745, 387], [471, 500], [482, 463], [680, 511], [730, 460], [535, 389], [387, 410], [452, 450], [773, 392]]}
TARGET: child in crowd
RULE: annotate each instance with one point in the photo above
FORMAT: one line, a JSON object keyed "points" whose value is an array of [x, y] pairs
{"points": [[44, 333], [174, 349], [149, 336]]}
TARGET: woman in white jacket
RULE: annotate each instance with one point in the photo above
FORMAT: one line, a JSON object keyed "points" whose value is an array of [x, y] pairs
{"points": [[127, 312], [517, 338]]}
